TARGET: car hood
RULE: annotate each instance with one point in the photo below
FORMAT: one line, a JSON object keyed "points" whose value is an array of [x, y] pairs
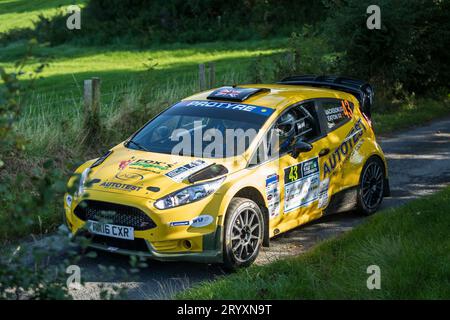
{"points": [[147, 174]]}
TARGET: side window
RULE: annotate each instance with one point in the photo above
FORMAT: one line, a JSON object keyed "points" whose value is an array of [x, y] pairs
{"points": [[298, 122], [337, 112]]}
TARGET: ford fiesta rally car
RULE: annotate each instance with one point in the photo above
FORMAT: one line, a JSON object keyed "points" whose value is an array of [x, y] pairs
{"points": [[220, 205]]}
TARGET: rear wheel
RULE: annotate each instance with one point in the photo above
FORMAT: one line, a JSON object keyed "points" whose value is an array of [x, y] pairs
{"points": [[243, 233], [371, 186]]}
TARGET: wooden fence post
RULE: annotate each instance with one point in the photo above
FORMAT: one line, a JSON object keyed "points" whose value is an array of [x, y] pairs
{"points": [[92, 104], [202, 76], [87, 98], [96, 97], [212, 75]]}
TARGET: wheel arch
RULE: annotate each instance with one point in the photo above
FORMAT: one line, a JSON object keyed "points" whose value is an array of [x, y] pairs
{"points": [[383, 161], [255, 195]]}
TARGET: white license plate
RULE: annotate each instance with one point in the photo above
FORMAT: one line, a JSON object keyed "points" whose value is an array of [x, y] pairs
{"points": [[111, 230]]}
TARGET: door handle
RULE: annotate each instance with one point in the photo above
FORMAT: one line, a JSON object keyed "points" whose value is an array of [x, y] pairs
{"points": [[324, 152]]}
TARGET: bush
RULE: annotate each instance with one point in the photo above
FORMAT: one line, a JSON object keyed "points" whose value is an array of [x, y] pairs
{"points": [[307, 53], [409, 53]]}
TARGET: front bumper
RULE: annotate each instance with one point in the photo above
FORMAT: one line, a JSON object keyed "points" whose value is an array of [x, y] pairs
{"points": [[206, 256], [164, 243]]}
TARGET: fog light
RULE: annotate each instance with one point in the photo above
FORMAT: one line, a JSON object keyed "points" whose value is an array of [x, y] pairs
{"points": [[187, 244]]}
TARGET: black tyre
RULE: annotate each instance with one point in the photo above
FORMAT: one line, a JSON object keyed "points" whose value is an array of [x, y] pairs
{"points": [[371, 186], [243, 233]]}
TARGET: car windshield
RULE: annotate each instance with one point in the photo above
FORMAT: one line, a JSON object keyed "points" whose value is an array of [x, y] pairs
{"points": [[210, 129]]}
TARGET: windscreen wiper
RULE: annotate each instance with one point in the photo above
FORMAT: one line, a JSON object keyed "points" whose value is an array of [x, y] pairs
{"points": [[141, 147]]}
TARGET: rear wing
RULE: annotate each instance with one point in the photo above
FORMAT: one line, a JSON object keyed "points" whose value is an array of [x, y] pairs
{"points": [[362, 90]]}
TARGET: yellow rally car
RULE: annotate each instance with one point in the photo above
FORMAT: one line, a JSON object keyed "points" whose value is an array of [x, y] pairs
{"points": [[289, 153]]}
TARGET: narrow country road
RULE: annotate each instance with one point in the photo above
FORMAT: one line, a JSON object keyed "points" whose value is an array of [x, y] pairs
{"points": [[419, 164]]}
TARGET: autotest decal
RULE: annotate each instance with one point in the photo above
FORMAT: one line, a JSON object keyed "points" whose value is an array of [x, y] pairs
{"points": [[344, 150]]}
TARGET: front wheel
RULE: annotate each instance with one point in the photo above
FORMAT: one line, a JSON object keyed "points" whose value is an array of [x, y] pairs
{"points": [[371, 186], [243, 233]]}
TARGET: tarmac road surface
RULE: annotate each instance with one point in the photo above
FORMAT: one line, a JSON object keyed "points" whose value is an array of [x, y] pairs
{"points": [[418, 163]]}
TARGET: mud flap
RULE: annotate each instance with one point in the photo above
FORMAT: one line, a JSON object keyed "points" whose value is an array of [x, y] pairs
{"points": [[386, 188]]}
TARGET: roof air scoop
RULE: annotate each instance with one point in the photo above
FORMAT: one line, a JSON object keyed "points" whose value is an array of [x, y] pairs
{"points": [[235, 93]]}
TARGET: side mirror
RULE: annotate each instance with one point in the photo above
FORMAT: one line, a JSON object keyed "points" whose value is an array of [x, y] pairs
{"points": [[300, 146]]}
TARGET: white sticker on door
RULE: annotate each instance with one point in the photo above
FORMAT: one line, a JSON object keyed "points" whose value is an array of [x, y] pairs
{"points": [[323, 193], [273, 195], [301, 184]]}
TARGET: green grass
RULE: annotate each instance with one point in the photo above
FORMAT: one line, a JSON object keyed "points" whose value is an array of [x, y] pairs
{"points": [[21, 13], [411, 114], [410, 244], [123, 71], [126, 80], [119, 64]]}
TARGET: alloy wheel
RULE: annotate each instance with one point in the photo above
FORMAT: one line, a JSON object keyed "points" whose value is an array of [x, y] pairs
{"points": [[245, 234], [372, 185]]}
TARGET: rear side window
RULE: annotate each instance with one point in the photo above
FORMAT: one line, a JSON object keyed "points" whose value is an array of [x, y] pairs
{"points": [[337, 112]]}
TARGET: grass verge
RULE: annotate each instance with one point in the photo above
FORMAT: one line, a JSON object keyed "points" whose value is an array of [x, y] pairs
{"points": [[411, 114], [410, 244]]}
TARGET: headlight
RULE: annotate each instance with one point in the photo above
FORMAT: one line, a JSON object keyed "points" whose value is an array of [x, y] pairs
{"points": [[83, 179], [189, 194]]}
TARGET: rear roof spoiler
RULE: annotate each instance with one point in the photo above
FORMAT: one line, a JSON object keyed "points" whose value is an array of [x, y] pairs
{"points": [[362, 90]]}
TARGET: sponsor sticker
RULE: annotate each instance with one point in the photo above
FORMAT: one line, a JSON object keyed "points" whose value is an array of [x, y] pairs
{"points": [[229, 105], [124, 163], [273, 195], [338, 113], [301, 184], [181, 173], [202, 221], [145, 164], [120, 186], [198, 222], [345, 149], [356, 157], [323, 193], [69, 200], [129, 176], [179, 223]]}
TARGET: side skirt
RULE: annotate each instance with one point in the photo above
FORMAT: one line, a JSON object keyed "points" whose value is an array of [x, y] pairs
{"points": [[342, 201]]}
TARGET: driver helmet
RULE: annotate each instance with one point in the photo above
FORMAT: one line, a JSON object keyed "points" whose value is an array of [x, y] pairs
{"points": [[286, 125]]}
